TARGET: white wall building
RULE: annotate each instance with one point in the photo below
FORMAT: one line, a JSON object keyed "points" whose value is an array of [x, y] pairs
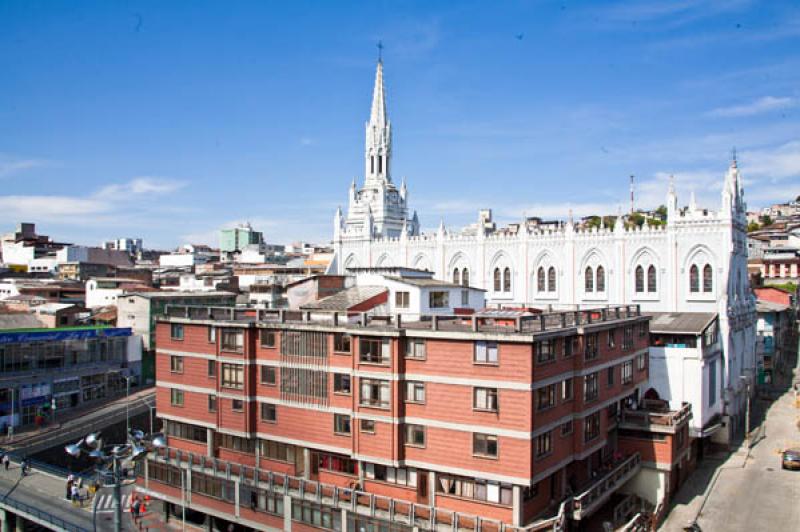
{"points": [[697, 262]]}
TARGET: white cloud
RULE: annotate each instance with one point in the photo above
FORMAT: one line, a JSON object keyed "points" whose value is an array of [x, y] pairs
{"points": [[10, 165], [762, 105], [140, 186], [774, 164]]}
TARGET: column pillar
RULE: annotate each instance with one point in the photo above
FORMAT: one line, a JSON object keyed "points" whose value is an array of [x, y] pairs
{"points": [[19, 524], [516, 505], [237, 502], [345, 526], [210, 443], [432, 488], [287, 513], [306, 463], [5, 526]]}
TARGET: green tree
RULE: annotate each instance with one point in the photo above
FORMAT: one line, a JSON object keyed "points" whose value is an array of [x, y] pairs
{"points": [[636, 219], [662, 212], [766, 220], [753, 226]]}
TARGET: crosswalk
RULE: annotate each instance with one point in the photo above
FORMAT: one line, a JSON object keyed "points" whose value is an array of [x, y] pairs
{"points": [[105, 502]]}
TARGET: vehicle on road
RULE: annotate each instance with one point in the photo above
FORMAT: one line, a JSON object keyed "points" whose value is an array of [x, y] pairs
{"points": [[790, 459]]}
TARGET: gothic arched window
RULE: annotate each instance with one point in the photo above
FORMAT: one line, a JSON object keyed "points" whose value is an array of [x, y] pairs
{"points": [[551, 279], [465, 277], [456, 276], [651, 278], [601, 279], [708, 282], [540, 279], [507, 280], [497, 282], [639, 279], [694, 279], [588, 280]]}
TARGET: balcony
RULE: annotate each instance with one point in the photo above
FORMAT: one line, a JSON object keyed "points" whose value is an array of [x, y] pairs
{"points": [[655, 415], [592, 498]]}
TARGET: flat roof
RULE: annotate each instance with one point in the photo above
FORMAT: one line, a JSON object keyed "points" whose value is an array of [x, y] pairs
{"points": [[177, 293], [680, 322]]}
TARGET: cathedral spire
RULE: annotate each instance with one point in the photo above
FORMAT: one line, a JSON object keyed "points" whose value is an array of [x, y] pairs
{"points": [[379, 135], [378, 115]]}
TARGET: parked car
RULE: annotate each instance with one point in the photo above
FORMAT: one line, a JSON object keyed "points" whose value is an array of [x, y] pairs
{"points": [[790, 459]]}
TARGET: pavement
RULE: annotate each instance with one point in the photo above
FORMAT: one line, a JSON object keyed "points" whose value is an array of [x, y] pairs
{"points": [[746, 490], [46, 491]]}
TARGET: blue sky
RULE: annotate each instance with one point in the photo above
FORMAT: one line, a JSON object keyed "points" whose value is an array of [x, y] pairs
{"points": [[169, 120]]}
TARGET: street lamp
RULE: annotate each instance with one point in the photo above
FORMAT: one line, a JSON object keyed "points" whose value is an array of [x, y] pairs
{"points": [[109, 458]]}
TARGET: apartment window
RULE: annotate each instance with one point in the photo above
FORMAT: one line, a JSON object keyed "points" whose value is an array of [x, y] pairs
{"points": [[176, 331], [232, 340], [186, 431], [485, 352], [269, 412], [341, 343], [571, 345], [641, 361], [212, 368], [465, 298], [374, 350], [235, 443], [590, 387], [566, 428], [402, 476], [712, 383], [591, 346], [627, 338], [401, 299], [415, 348], [474, 488], [415, 435], [439, 299], [627, 372], [374, 392], [546, 397], [415, 392], [341, 383], [567, 389], [544, 444], [232, 376], [591, 427], [212, 403], [267, 338], [367, 425], [337, 463], [610, 376], [268, 375], [237, 405], [212, 334], [274, 450], [341, 424], [485, 399], [484, 445], [176, 364], [176, 397], [612, 338], [545, 351]]}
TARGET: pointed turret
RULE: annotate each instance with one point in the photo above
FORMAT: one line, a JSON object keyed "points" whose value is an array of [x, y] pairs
{"points": [[379, 135], [378, 114], [672, 201], [337, 223], [692, 202]]}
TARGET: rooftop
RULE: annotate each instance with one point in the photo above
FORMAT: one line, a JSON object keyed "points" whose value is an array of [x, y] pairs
{"points": [[346, 299], [423, 282], [681, 322], [769, 306], [169, 294]]}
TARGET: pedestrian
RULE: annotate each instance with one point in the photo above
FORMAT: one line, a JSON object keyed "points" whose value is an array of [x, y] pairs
{"points": [[69, 488], [23, 467], [135, 507], [75, 494], [6, 461]]}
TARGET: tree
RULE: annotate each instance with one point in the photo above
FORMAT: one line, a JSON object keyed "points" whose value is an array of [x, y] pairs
{"points": [[753, 226], [662, 212], [636, 219], [766, 220]]}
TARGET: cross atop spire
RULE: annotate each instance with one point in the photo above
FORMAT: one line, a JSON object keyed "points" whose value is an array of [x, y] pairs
{"points": [[733, 157], [380, 51]]}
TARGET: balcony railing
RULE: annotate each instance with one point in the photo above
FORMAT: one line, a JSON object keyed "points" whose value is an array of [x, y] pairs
{"points": [[652, 414], [590, 499], [359, 502]]}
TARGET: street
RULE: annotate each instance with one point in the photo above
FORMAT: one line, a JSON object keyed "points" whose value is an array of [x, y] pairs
{"points": [[750, 492]]}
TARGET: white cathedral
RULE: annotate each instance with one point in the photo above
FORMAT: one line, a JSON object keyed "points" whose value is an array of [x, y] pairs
{"points": [[696, 262]]}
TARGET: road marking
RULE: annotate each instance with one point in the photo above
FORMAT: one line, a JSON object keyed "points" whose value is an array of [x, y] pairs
{"points": [[105, 503]]}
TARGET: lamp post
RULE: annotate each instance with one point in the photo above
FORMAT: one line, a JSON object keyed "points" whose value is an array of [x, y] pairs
{"points": [[747, 410], [128, 404], [110, 458]]}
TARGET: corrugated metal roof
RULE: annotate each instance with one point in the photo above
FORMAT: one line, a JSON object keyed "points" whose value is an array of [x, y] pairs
{"points": [[345, 299], [680, 322], [769, 306], [423, 282], [19, 321]]}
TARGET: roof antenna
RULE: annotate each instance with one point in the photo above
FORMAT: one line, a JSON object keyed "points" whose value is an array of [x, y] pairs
{"points": [[380, 51]]}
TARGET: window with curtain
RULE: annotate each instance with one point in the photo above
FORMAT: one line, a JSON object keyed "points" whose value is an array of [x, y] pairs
{"points": [[540, 279], [551, 279], [601, 279], [507, 280], [651, 279], [497, 282], [588, 280], [694, 279], [708, 282], [639, 279]]}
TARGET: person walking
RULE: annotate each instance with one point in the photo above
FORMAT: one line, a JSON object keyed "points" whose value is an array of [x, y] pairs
{"points": [[75, 494], [6, 461], [136, 506], [69, 488]]}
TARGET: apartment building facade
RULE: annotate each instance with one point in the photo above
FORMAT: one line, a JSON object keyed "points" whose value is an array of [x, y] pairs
{"points": [[501, 418]]}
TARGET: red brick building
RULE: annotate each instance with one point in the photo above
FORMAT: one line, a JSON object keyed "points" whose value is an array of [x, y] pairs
{"points": [[277, 421]]}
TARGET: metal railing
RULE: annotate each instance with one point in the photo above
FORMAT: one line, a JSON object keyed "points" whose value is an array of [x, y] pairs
{"points": [[44, 518], [645, 417], [621, 473], [350, 498]]}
